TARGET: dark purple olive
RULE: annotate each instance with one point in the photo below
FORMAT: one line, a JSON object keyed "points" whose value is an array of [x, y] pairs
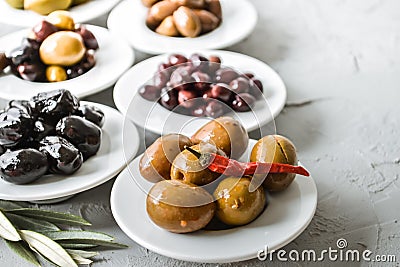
{"points": [[225, 75], [63, 157], [187, 99], [160, 79], [199, 63], [43, 29], [240, 85], [88, 37], [207, 94], [215, 59], [199, 111], [33, 72], [23, 166], [4, 61], [248, 75], [176, 59], [92, 114], [164, 67], [202, 80], [181, 75], [150, 92], [258, 84], [221, 91], [81, 67], [54, 105], [169, 98], [26, 54], [215, 64], [214, 109], [32, 43], [83, 134], [15, 126], [41, 129], [243, 102], [24, 105]]}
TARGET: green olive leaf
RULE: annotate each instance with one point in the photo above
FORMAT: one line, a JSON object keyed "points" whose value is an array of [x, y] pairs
{"points": [[81, 260], [22, 250], [8, 205], [7, 230], [51, 216], [26, 223], [76, 245], [47, 248], [77, 235], [82, 253]]}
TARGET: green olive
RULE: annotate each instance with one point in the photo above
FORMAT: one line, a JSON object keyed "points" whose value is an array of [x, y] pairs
{"points": [[226, 133], [56, 74], [235, 204], [63, 48], [16, 3], [155, 164], [179, 207], [277, 149], [186, 166], [61, 19], [45, 7]]}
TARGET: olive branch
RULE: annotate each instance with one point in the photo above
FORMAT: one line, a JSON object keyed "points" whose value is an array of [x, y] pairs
{"points": [[35, 234]]}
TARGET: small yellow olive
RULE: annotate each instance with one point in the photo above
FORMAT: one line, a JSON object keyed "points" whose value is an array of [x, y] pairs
{"points": [[61, 19], [56, 74], [45, 7]]}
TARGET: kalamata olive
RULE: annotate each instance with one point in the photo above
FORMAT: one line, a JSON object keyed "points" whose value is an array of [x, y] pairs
{"points": [[198, 111], [181, 76], [62, 19], [41, 129], [43, 29], [15, 126], [169, 98], [81, 67], [258, 84], [225, 75], [186, 99], [83, 134], [207, 94], [54, 105], [199, 62], [165, 67], [214, 109], [221, 91], [215, 59], [88, 37], [24, 54], [215, 64], [23, 166], [32, 71], [202, 80], [63, 157], [56, 74], [248, 75], [243, 102], [150, 92], [92, 113], [4, 61], [240, 85], [24, 105], [160, 79], [176, 59]]}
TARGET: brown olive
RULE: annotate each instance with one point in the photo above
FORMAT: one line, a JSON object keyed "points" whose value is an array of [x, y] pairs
{"points": [[214, 6], [208, 20], [161, 10], [155, 164], [167, 27], [236, 205], [149, 3], [190, 3], [226, 133], [277, 149], [61, 19], [56, 74], [64, 48], [178, 207], [186, 166], [187, 22]]}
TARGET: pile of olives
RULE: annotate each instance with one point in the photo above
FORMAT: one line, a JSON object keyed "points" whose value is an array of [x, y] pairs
{"points": [[56, 49], [183, 18], [50, 133], [201, 87], [187, 197], [44, 7]]}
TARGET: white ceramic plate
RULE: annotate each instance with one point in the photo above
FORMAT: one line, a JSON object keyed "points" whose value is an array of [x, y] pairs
{"points": [[287, 215], [107, 163], [128, 20], [80, 13], [113, 58], [159, 120]]}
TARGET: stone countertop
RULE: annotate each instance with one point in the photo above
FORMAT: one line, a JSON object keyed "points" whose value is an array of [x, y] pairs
{"points": [[340, 60]]}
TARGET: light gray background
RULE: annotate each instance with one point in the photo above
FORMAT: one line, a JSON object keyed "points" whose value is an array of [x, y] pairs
{"points": [[344, 56]]}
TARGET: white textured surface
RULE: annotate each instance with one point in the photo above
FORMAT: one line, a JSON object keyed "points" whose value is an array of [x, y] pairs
{"points": [[345, 56]]}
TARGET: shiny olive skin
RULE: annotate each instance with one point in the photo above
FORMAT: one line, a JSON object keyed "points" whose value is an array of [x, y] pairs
{"points": [[24, 105], [186, 166], [83, 134], [235, 204], [23, 166], [187, 22], [179, 207], [61, 19], [226, 133], [277, 149], [155, 164], [15, 126], [54, 105], [45, 7], [91, 113], [62, 156]]}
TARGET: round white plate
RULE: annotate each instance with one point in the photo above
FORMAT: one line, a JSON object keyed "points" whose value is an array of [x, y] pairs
{"points": [[107, 163], [159, 120], [80, 13], [128, 20], [113, 58], [287, 215]]}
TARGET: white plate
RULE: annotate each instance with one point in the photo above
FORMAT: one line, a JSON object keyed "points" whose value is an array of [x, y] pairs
{"points": [[128, 20], [287, 215], [113, 58], [159, 120], [80, 13], [107, 163]]}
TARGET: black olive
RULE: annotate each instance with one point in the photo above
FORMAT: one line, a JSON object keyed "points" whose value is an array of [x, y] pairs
{"points": [[41, 129], [91, 113], [54, 105], [15, 126], [25, 105], [63, 157], [85, 135], [23, 166]]}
